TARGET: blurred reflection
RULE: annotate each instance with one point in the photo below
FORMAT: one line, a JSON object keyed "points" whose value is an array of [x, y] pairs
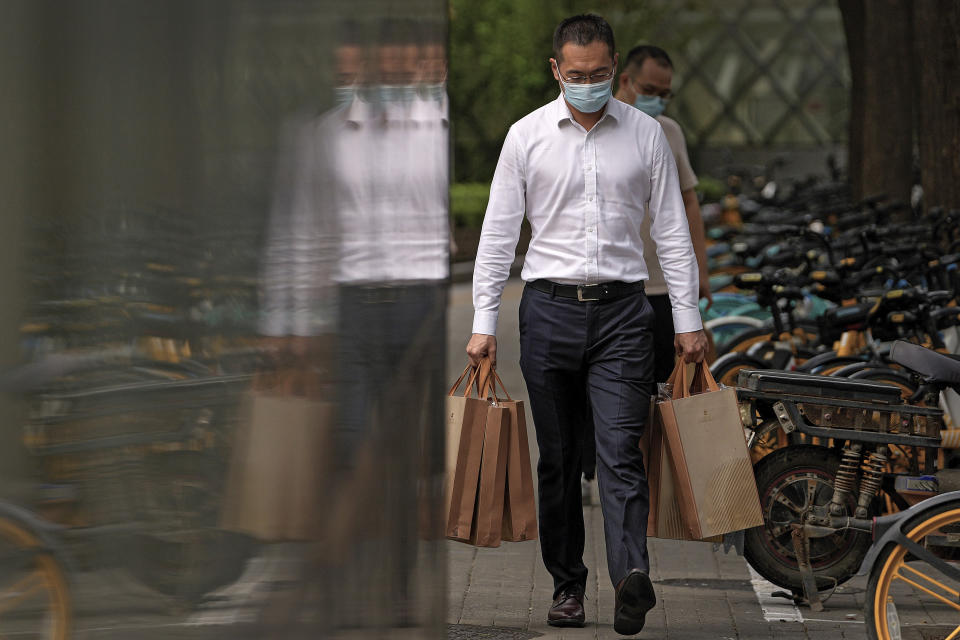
{"points": [[231, 396], [354, 284]]}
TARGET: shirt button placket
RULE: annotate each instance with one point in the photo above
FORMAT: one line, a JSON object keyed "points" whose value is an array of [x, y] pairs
{"points": [[592, 209]]}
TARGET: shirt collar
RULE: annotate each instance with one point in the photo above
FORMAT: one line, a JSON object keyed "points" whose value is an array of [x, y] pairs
{"points": [[429, 110], [562, 111], [359, 111]]}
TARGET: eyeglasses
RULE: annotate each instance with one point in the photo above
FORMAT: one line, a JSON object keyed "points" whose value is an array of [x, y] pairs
{"points": [[650, 90], [591, 79]]}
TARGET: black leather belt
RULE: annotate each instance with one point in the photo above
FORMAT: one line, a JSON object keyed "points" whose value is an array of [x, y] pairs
{"points": [[588, 292]]}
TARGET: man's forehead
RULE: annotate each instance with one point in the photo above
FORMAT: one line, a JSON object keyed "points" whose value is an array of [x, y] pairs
{"points": [[654, 71], [596, 53]]}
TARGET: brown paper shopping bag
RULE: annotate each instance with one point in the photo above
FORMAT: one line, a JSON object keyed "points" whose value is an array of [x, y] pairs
{"points": [[519, 506], [281, 449], [664, 520], [466, 417], [488, 523], [712, 471]]}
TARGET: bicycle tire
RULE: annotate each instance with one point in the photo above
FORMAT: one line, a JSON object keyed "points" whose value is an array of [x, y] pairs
{"points": [[726, 368], [892, 558], [30, 546], [836, 558]]}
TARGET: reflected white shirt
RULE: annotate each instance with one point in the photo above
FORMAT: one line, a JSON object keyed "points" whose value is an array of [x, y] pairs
{"points": [[361, 199], [585, 194]]}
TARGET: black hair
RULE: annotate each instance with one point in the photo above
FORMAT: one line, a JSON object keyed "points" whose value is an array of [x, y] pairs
{"points": [[349, 32], [640, 53], [582, 30], [398, 31]]}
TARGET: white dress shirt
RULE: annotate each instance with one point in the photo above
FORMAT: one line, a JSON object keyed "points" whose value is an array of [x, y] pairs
{"points": [[585, 194], [361, 199]]}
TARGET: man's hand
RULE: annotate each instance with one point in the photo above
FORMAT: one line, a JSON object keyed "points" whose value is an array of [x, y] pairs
{"points": [[481, 345], [692, 346]]}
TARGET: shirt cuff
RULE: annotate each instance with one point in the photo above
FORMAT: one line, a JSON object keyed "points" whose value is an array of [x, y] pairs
{"points": [[485, 322], [687, 320]]}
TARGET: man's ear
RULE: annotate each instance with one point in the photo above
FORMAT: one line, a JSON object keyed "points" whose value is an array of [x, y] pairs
{"points": [[554, 65]]}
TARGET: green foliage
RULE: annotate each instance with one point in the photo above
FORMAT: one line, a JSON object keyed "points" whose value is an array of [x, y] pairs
{"points": [[499, 69], [711, 188], [468, 203]]}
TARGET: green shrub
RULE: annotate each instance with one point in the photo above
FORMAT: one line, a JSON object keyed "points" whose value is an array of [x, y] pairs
{"points": [[468, 202], [711, 188]]}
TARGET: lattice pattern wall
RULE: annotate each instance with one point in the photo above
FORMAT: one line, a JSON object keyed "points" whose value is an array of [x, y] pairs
{"points": [[758, 73]]}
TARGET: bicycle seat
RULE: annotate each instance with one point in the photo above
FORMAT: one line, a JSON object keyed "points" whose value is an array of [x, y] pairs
{"points": [[936, 367]]}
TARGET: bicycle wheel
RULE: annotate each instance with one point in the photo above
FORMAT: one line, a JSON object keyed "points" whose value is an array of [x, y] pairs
{"points": [[792, 481], [889, 376], [726, 368], [743, 340], [34, 598], [905, 590], [726, 327]]}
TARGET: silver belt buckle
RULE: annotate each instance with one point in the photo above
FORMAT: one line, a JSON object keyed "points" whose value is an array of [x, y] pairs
{"points": [[580, 288]]}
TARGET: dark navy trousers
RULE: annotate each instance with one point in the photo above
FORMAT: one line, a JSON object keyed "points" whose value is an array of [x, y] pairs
{"points": [[574, 355]]}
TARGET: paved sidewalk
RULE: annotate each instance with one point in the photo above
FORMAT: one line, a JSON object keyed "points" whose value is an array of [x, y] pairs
{"points": [[701, 594]]}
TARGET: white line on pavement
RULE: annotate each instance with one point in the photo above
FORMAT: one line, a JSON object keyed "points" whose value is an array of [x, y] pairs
{"points": [[774, 609]]}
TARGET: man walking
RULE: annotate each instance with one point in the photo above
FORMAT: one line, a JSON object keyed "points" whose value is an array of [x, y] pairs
{"points": [[585, 170], [645, 83]]}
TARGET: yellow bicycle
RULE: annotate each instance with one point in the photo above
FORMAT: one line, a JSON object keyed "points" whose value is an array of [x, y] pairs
{"points": [[34, 595], [914, 586]]}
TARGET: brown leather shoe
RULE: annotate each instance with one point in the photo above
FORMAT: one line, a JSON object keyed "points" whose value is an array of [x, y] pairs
{"points": [[635, 596], [567, 609]]}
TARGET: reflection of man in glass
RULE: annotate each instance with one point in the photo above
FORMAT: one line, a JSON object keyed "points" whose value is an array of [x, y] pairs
{"points": [[367, 237]]}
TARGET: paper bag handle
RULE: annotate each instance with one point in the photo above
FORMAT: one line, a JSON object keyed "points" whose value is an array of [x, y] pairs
{"points": [[702, 381], [456, 385], [497, 381], [479, 379]]}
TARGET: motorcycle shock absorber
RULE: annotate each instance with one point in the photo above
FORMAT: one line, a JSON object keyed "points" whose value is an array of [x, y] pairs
{"points": [[846, 479], [873, 469]]}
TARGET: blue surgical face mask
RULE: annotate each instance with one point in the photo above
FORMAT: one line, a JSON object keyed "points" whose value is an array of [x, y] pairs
{"points": [[400, 93], [587, 98], [344, 95], [650, 105]]}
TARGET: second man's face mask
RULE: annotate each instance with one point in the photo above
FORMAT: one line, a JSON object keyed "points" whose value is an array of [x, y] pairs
{"points": [[650, 105]]}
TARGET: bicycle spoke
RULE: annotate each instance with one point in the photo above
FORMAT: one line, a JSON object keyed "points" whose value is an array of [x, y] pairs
{"points": [[920, 587], [810, 498], [920, 574], [954, 635], [21, 590], [789, 504]]}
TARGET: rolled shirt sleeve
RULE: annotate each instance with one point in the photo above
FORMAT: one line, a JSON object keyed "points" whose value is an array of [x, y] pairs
{"points": [[499, 235], [671, 233]]}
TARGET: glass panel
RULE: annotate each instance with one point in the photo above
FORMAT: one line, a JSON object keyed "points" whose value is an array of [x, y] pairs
{"points": [[225, 259]]}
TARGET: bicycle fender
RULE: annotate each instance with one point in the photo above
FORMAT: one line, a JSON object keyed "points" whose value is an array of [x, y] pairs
{"points": [[888, 529]]}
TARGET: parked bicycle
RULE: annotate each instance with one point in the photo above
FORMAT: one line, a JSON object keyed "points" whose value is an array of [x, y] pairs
{"points": [[132, 454], [819, 499]]}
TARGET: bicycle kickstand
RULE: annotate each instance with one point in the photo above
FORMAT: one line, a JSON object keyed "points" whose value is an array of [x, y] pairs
{"points": [[801, 547]]}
